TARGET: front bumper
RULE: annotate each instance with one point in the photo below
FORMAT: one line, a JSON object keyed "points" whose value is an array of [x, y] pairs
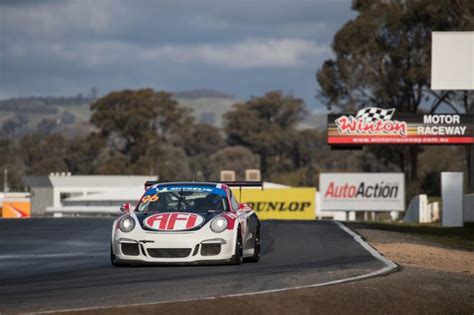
{"points": [[203, 246]]}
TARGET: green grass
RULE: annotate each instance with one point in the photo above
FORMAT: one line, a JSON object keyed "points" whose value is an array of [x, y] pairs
{"points": [[458, 237]]}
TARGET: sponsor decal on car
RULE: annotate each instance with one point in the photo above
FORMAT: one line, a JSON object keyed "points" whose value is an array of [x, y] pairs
{"points": [[191, 188], [178, 188], [173, 221]]}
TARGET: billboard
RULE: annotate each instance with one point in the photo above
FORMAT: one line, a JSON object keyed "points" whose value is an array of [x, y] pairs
{"points": [[452, 61], [383, 126], [280, 204], [362, 191], [16, 209]]}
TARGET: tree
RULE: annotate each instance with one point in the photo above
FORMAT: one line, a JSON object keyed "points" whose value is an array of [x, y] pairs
{"points": [[200, 144], [235, 158], [9, 127], [110, 162], [132, 121], [10, 160], [68, 118], [47, 126], [383, 59], [82, 156], [266, 125], [43, 154]]}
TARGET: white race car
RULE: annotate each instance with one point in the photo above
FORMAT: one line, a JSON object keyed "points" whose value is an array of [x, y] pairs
{"points": [[187, 222]]}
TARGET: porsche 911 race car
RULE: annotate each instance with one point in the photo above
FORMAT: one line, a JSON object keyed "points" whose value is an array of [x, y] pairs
{"points": [[187, 222]]}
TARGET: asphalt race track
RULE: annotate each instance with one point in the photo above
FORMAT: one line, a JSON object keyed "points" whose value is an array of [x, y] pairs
{"points": [[58, 264]]}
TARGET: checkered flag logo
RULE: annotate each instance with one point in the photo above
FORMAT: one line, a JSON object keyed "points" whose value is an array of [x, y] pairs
{"points": [[373, 113]]}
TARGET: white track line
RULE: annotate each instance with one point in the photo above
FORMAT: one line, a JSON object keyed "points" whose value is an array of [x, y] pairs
{"points": [[388, 267]]}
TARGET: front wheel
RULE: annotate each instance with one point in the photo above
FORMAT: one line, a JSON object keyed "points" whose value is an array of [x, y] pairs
{"points": [[239, 250], [256, 248], [113, 259]]}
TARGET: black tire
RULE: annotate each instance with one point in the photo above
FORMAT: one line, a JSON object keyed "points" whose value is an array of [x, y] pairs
{"points": [[239, 250], [113, 259], [256, 248]]}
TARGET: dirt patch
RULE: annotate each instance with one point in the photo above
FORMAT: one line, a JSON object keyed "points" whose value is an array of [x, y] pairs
{"points": [[409, 250], [410, 291]]}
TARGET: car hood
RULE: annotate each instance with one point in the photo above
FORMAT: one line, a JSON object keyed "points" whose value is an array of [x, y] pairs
{"points": [[174, 221]]}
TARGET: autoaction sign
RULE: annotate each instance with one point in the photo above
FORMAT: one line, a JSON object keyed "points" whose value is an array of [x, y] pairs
{"points": [[280, 204], [362, 191], [383, 126]]}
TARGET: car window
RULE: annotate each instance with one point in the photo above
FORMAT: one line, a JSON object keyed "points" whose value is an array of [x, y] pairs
{"points": [[183, 198], [234, 202]]}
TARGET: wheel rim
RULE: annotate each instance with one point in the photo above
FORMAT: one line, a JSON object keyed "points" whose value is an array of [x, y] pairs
{"points": [[240, 249], [257, 245]]}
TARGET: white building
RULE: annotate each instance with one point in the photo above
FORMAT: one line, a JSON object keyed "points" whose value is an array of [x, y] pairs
{"points": [[107, 202], [52, 191]]}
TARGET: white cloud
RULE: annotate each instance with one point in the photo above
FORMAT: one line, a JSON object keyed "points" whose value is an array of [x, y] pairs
{"points": [[60, 19], [250, 53]]}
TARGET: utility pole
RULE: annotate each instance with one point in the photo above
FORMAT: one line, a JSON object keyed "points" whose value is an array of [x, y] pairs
{"points": [[471, 169], [5, 183]]}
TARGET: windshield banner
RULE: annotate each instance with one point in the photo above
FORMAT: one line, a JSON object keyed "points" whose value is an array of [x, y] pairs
{"points": [[280, 204], [384, 126]]}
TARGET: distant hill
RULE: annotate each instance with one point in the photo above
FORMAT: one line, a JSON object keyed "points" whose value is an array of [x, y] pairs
{"points": [[202, 93], [34, 102], [71, 114], [207, 106]]}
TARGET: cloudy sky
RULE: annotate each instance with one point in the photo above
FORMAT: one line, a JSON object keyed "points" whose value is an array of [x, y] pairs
{"points": [[243, 47]]}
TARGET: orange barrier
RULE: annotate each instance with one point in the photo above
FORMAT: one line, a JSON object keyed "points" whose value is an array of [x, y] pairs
{"points": [[16, 209]]}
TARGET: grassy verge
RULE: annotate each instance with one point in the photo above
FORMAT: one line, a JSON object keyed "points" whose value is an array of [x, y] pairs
{"points": [[462, 238]]}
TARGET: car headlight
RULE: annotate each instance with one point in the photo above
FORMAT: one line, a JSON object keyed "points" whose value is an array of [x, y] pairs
{"points": [[126, 224], [219, 224]]}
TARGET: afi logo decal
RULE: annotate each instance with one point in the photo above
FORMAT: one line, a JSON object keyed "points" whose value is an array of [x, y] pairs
{"points": [[173, 221]]}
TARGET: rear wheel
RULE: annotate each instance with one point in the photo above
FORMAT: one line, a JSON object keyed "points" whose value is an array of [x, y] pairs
{"points": [[239, 250], [256, 248]]}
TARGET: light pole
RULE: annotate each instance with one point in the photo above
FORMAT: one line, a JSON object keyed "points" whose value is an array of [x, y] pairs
{"points": [[5, 183]]}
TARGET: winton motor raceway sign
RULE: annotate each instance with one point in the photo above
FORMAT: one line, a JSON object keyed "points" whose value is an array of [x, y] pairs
{"points": [[382, 126], [362, 191]]}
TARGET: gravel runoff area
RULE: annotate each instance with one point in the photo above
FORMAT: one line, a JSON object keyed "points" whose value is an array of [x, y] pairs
{"points": [[432, 279]]}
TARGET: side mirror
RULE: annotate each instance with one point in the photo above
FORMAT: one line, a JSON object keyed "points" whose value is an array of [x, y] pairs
{"points": [[125, 207]]}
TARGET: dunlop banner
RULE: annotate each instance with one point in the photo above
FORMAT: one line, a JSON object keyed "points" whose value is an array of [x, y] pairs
{"points": [[280, 204]]}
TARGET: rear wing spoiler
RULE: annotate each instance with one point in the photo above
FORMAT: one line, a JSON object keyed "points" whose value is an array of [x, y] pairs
{"points": [[243, 184], [240, 184], [150, 183]]}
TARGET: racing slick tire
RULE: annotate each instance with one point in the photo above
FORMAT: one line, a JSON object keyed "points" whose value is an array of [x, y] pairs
{"points": [[238, 257], [114, 260], [256, 249]]}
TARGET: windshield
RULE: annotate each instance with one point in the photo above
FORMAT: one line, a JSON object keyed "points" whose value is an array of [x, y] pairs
{"points": [[183, 198]]}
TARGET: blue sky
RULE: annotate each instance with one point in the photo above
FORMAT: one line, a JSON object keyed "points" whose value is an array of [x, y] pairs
{"points": [[241, 47]]}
